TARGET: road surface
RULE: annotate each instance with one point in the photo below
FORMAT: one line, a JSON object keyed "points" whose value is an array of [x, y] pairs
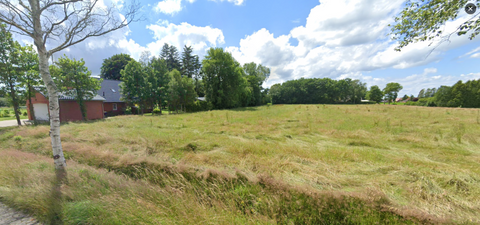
{"points": [[9, 216], [10, 123]]}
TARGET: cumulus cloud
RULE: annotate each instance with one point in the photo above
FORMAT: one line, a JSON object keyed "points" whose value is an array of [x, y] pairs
{"points": [[169, 7], [200, 38], [347, 38]]}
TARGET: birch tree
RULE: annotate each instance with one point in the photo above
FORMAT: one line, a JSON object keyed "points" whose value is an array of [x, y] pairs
{"points": [[60, 24]]}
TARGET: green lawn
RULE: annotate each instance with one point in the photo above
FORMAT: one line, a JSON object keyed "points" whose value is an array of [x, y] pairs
{"points": [[11, 114], [305, 164]]}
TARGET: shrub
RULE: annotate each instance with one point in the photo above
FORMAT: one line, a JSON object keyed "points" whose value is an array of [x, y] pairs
{"points": [[156, 111], [6, 113], [3, 102], [17, 138], [25, 113], [198, 106], [128, 111]]}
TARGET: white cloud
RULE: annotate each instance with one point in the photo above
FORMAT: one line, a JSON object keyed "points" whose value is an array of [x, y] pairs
{"points": [[169, 6], [236, 2], [475, 53], [200, 38], [346, 38]]}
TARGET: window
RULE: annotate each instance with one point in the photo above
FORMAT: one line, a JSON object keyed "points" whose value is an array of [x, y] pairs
{"points": [[114, 106]]}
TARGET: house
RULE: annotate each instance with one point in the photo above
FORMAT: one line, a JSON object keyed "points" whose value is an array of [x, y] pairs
{"points": [[69, 108], [110, 90]]}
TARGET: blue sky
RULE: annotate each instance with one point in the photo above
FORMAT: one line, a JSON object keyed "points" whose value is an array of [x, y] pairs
{"points": [[308, 38]]}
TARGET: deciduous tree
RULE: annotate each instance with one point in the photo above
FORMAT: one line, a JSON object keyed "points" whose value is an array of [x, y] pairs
{"points": [[62, 23], [10, 71], [424, 20], [73, 79], [112, 66], [391, 91], [222, 75], [375, 94]]}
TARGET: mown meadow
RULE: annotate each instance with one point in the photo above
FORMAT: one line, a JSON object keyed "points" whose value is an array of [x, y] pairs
{"points": [[284, 164]]}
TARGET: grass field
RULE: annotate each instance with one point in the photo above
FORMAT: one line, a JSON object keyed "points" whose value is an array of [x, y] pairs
{"points": [[306, 164], [11, 114]]}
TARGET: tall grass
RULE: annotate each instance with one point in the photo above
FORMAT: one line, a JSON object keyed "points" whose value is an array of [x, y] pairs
{"points": [[394, 162]]}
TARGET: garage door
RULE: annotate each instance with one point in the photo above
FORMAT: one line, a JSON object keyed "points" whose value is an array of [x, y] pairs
{"points": [[41, 111]]}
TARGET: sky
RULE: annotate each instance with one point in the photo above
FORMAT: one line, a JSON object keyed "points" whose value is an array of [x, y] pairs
{"points": [[310, 38]]}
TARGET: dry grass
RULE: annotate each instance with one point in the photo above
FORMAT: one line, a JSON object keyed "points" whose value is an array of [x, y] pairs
{"points": [[422, 160]]}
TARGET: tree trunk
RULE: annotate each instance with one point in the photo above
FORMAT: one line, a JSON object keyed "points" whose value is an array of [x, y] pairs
{"points": [[54, 108], [30, 106], [13, 95]]}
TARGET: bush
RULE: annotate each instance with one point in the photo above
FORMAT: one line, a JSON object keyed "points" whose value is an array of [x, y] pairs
{"points": [[4, 102], [198, 106], [25, 113], [156, 111], [6, 113], [128, 111]]}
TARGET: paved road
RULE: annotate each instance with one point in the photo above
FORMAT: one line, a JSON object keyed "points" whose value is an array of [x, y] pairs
{"points": [[10, 123], [11, 217]]}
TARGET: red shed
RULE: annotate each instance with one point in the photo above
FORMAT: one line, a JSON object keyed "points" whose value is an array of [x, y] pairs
{"points": [[69, 108]]}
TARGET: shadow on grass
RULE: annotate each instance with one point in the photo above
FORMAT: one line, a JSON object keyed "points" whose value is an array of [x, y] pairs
{"points": [[55, 206], [245, 109]]}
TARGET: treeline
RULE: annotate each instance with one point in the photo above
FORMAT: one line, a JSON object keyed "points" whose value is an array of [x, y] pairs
{"points": [[465, 95], [318, 91], [173, 82]]}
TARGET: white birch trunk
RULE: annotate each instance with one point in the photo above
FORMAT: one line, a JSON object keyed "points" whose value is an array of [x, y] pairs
{"points": [[54, 107]]}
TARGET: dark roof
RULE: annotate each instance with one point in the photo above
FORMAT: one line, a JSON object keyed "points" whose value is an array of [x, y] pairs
{"points": [[65, 96], [110, 90]]}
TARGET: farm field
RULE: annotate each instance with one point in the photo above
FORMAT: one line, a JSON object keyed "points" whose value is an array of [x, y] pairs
{"points": [[286, 164]]}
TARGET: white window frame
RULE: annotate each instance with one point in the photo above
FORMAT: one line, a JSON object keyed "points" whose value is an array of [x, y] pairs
{"points": [[115, 107]]}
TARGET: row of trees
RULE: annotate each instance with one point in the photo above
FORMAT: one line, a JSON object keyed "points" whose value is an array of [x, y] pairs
{"points": [[318, 91], [466, 95], [168, 82], [329, 91]]}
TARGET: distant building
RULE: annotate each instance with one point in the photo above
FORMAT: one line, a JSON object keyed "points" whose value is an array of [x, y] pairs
{"points": [[69, 108], [110, 90]]}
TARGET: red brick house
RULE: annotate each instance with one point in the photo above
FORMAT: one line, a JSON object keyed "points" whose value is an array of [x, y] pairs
{"points": [[113, 105], [69, 108]]}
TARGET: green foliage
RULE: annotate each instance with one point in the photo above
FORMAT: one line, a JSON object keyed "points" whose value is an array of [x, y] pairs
{"points": [[157, 82], [156, 111], [198, 106], [4, 102], [169, 53], [73, 78], [12, 69], [5, 113], [423, 21], [255, 76], [112, 66], [181, 91], [375, 94], [317, 91], [17, 138], [223, 79], [134, 86], [391, 91]]}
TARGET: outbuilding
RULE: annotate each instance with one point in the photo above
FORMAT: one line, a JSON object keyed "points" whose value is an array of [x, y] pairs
{"points": [[69, 108]]}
